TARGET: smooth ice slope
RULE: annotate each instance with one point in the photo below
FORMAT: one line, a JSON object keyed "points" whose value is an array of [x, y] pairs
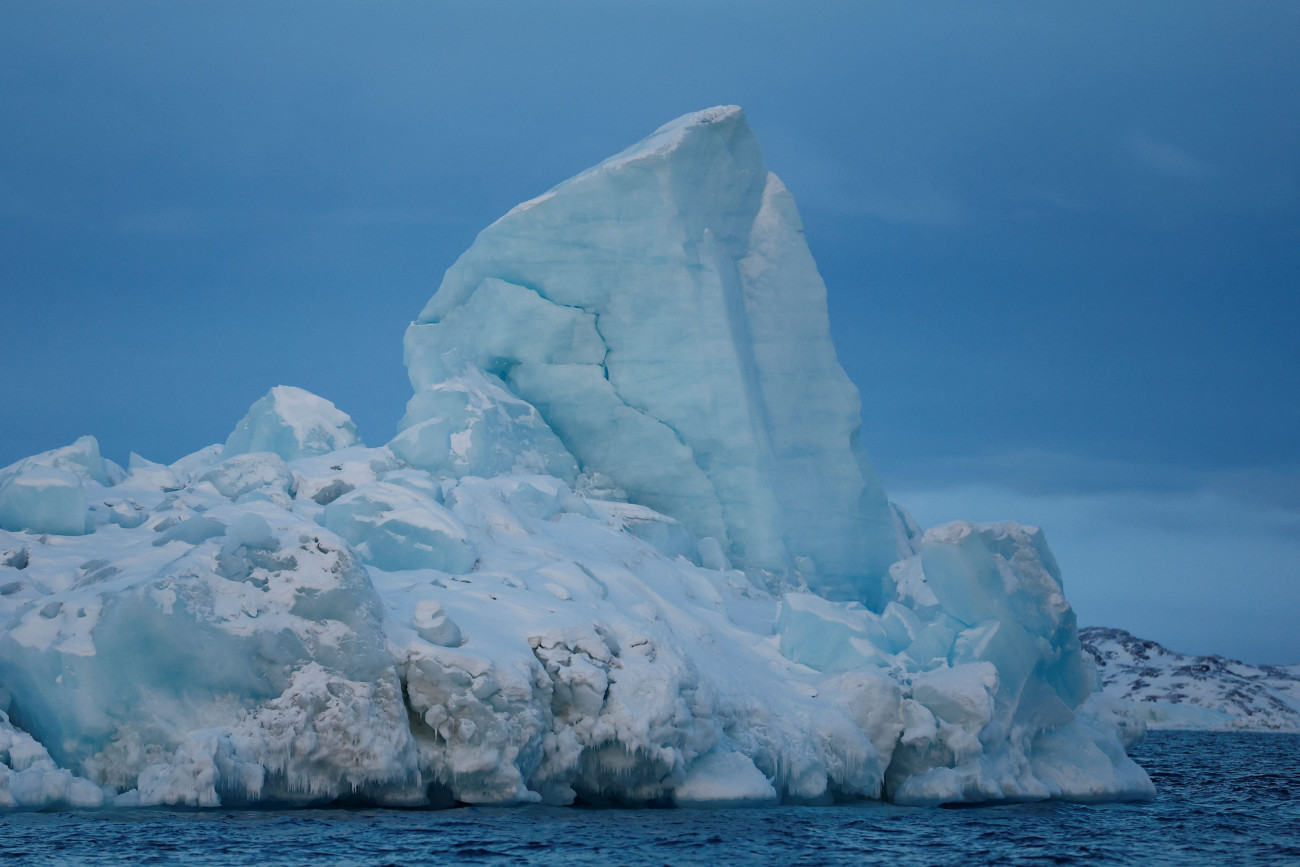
{"points": [[662, 312], [477, 613]]}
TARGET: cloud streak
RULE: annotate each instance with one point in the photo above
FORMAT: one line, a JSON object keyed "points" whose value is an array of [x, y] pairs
{"points": [[1167, 159]]}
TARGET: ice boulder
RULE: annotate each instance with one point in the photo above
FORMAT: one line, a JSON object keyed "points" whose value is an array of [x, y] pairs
{"points": [[723, 779], [46, 493], [261, 474], [1002, 582], [395, 528], [81, 458], [291, 423], [663, 314], [469, 424], [146, 473], [434, 626], [29, 779], [194, 464], [43, 499], [828, 637], [668, 536], [322, 479]]}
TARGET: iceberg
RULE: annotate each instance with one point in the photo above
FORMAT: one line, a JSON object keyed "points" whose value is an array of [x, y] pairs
{"points": [[625, 549]]}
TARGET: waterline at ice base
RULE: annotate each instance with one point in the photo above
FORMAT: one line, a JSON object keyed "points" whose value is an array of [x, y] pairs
{"points": [[626, 549]]}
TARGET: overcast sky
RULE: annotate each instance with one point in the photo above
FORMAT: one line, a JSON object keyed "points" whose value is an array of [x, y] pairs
{"points": [[1062, 245]]}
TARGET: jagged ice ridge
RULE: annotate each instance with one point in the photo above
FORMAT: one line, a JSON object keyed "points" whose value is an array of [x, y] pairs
{"points": [[625, 549]]}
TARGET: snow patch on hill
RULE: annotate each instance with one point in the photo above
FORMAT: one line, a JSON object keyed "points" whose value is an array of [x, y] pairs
{"points": [[1212, 693]]}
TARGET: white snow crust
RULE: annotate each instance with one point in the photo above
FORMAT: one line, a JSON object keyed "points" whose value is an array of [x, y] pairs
{"points": [[625, 550]]}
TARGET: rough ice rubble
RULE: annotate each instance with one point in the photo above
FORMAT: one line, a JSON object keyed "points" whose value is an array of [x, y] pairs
{"points": [[475, 612], [177, 663]]}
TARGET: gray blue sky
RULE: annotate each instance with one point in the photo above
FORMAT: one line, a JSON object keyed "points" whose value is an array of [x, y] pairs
{"points": [[1062, 244]]}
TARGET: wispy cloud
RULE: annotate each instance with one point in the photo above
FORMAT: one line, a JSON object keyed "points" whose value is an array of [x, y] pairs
{"points": [[1165, 158], [188, 222], [916, 203], [1045, 472], [883, 186], [171, 223]]}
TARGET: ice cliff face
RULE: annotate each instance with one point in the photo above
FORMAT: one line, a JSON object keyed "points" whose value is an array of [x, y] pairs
{"points": [[625, 549], [664, 315]]}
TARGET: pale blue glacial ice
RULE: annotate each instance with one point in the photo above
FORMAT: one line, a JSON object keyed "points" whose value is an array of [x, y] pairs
{"points": [[663, 313], [625, 549], [46, 493]]}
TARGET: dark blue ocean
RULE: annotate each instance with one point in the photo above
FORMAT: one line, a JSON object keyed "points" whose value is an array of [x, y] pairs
{"points": [[1223, 799]]}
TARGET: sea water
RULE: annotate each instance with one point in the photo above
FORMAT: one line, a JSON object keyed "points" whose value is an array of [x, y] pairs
{"points": [[1222, 798]]}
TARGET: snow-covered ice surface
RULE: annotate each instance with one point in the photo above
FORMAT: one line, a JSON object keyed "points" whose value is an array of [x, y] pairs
{"points": [[292, 423], [1211, 693], [626, 549]]}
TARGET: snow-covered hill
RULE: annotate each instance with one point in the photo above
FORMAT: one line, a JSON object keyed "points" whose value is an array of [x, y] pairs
{"points": [[1173, 691]]}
